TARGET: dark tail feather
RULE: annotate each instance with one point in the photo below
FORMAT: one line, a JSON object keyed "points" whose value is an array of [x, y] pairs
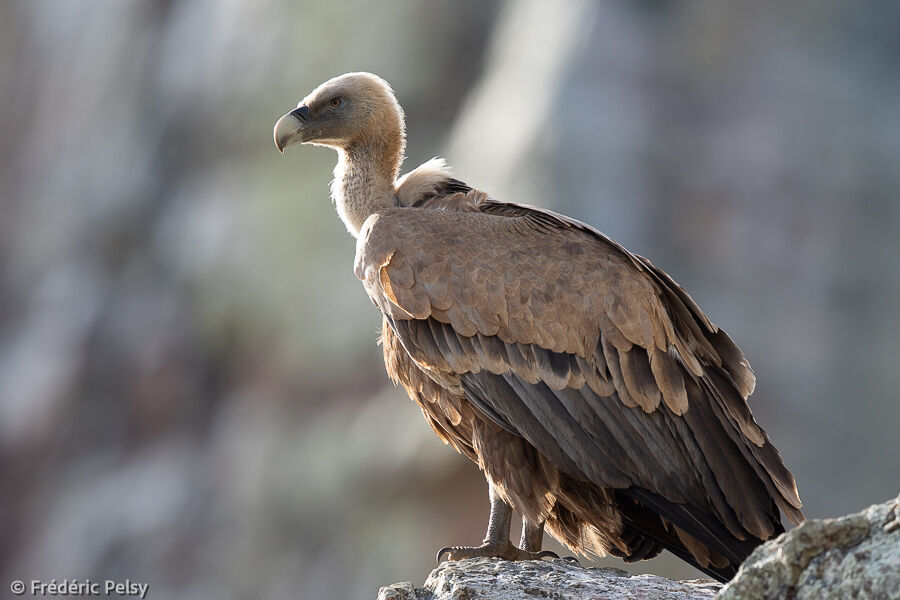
{"points": [[641, 511], [721, 574]]}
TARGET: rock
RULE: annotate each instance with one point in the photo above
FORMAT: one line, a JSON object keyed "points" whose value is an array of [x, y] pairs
{"points": [[856, 556], [402, 591], [495, 579]]}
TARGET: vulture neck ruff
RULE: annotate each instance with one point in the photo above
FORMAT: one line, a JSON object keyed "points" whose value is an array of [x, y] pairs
{"points": [[364, 176]]}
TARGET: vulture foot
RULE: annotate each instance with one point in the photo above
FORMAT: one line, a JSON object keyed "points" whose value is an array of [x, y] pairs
{"points": [[496, 542], [505, 551]]}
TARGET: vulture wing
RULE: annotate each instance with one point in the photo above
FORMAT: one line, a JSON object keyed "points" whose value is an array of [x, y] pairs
{"points": [[594, 356]]}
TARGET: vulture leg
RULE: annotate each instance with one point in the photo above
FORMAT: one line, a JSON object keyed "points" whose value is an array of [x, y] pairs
{"points": [[533, 539], [496, 542], [532, 536]]}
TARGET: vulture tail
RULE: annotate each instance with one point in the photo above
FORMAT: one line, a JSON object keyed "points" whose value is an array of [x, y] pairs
{"points": [[726, 551]]}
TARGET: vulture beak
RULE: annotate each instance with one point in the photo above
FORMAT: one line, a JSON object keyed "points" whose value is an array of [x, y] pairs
{"points": [[290, 128]]}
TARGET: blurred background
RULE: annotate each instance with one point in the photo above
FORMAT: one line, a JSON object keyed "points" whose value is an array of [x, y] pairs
{"points": [[190, 391]]}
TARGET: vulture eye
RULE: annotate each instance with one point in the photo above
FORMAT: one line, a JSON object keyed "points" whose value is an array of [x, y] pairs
{"points": [[335, 102]]}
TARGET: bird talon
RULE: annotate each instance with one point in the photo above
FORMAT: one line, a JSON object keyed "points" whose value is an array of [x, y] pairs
{"points": [[445, 550], [547, 554]]}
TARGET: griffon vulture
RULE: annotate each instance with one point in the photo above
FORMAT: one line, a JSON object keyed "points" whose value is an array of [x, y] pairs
{"points": [[598, 399]]}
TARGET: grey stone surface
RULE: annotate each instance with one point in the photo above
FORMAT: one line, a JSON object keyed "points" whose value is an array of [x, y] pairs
{"points": [[855, 556], [495, 579]]}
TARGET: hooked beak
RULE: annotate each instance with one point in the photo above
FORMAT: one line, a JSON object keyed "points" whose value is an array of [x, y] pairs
{"points": [[290, 128]]}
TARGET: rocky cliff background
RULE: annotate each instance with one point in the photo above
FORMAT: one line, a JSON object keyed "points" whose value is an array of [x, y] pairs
{"points": [[190, 393]]}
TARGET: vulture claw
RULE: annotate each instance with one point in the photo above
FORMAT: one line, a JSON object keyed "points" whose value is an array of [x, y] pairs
{"points": [[505, 551]]}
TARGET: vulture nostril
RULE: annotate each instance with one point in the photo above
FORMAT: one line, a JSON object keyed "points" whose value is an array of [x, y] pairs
{"points": [[302, 113]]}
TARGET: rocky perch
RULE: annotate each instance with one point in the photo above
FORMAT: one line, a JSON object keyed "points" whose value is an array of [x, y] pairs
{"points": [[857, 556], [496, 579]]}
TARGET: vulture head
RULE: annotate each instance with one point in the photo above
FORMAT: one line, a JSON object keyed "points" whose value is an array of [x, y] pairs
{"points": [[354, 111]]}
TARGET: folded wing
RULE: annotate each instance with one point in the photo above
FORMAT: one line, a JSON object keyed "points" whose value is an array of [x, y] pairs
{"points": [[594, 356]]}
